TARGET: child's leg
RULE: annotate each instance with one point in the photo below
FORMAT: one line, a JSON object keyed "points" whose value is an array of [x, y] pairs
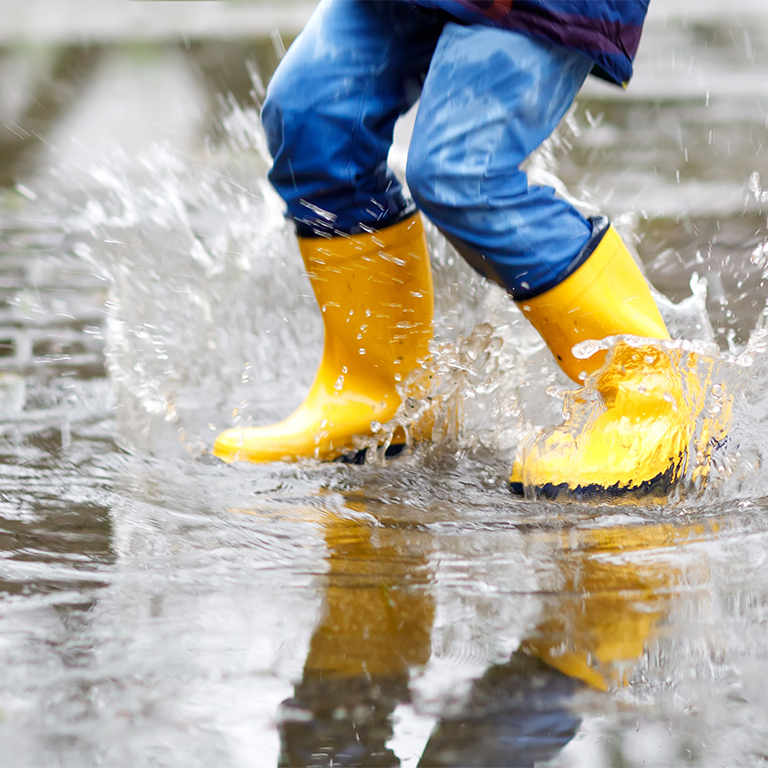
{"points": [[329, 116], [331, 109], [490, 99]]}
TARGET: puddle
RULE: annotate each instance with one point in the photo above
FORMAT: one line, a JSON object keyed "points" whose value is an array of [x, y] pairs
{"points": [[159, 607]]}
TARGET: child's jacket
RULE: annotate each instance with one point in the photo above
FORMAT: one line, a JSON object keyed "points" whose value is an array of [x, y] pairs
{"points": [[607, 31]]}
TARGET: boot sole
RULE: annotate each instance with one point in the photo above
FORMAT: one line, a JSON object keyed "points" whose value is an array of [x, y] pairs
{"points": [[661, 484], [358, 457]]}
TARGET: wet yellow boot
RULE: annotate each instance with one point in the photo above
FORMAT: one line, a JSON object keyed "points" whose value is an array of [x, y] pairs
{"points": [[375, 295], [636, 434]]}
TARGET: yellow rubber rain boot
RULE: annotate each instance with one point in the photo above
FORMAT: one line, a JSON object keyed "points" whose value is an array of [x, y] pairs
{"points": [[606, 296], [375, 295], [636, 436]]}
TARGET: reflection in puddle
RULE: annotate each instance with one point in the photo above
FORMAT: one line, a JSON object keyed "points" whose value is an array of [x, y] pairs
{"points": [[600, 611], [614, 586], [374, 628]]}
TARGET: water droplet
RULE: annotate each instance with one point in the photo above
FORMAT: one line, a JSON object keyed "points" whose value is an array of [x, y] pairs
{"points": [[398, 377], [339, 385], [343, 368], [585, 349], [361, 351]]}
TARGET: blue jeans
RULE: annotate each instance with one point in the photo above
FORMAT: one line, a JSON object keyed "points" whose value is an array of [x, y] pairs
{"points": [[489, 97]]}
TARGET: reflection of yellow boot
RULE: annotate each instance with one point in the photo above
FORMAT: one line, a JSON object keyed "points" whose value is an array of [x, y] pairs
{"points": [[637, 433], [614, 586], [375, 293], [372, 627]]}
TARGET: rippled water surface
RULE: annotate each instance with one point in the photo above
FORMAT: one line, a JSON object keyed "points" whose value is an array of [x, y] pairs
{"points": [[160, 608]]}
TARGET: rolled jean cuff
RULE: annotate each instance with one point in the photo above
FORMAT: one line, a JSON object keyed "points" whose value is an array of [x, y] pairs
{"points": [[600, 225], [319, 227]]}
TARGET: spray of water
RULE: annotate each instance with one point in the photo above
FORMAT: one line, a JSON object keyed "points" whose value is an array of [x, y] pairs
{"points": [[211, 320]]}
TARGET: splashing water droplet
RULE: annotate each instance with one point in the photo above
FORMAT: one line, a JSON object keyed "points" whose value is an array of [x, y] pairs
{"points": [[585, 349]]}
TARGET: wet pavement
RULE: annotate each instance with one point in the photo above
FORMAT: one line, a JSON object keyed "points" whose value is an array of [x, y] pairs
{"points": [[160, 608]]}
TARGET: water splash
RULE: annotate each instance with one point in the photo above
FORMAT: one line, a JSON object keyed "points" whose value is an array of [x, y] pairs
{"points": [[211, 320], [456, 400], [209, 311]]}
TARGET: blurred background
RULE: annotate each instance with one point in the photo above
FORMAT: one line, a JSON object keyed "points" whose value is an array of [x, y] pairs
{"points": [[78, 76]]}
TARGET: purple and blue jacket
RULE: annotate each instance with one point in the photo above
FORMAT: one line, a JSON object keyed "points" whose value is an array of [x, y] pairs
{"points": [[607, 31]]}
